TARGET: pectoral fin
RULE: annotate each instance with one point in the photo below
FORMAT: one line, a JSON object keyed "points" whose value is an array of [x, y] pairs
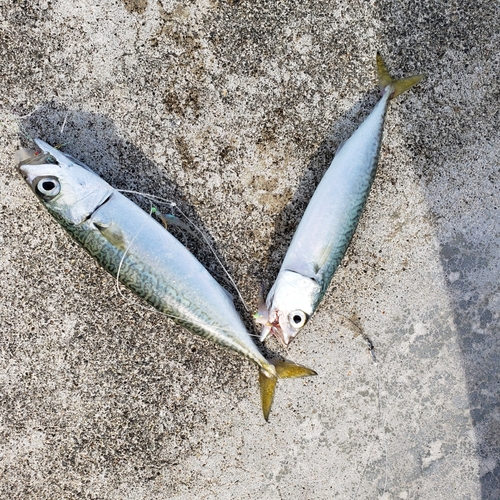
{"points": [[113, 233]]}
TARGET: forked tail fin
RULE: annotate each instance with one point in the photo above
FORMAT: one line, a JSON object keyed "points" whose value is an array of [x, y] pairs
{"points": [[385, 79], [284, 369]]}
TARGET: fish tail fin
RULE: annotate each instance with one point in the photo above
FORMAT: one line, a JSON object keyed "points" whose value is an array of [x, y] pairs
{"points": [[267, 385], [267, 381], [385, 79]]}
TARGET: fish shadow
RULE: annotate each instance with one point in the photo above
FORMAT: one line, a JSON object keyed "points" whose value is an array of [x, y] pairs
{"points": [[123, 166]]}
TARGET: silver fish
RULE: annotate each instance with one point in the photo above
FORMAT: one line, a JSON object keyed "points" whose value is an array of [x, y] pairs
{"points": [[131, 245], [327, 226]]}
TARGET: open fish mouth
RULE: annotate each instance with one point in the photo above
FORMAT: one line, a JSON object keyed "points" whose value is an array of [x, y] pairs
{"points": [[273, 329], [284, 335], [277, 332], [27, 156]]}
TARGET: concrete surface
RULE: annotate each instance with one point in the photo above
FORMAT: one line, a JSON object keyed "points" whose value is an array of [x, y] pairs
{"points": [[234, 109]]}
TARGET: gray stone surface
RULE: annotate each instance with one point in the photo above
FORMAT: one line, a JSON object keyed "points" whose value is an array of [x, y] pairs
{"points": [[234, 109]]}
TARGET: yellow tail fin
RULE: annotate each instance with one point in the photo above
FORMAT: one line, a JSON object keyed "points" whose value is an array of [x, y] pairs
{"points": [[284, 369], [385, 79]]}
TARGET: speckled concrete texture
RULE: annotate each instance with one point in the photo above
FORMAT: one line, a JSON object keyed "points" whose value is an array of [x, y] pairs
{"points": [[234, 110]]}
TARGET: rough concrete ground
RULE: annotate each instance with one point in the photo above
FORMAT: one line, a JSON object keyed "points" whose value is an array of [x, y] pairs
{"points": [[235, 110]]}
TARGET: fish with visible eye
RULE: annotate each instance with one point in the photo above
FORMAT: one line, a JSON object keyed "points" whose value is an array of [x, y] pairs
{"points": [[145, 257], [327, 226]]}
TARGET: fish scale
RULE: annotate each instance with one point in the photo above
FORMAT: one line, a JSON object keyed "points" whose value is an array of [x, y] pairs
{"points": [[146, 281]]}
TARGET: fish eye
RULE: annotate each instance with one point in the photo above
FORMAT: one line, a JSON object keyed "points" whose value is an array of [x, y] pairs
{"points": [[48, 187], [297, 318]]}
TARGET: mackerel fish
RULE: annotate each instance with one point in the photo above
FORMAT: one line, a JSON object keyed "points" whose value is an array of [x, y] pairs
{"points": [[329, 222], [146, 258]]}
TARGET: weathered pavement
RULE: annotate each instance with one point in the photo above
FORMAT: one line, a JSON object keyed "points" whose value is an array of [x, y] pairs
{"points": [[234, 110]]}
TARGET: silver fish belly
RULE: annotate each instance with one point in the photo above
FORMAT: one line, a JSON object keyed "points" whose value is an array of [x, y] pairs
{"points": [[146, 258], [328, 224]]}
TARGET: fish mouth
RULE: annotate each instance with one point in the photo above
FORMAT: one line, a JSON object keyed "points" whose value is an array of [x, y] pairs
{"points": [[23, 155], [27, 156], [277, 332], [271, 320], [274, 328]]}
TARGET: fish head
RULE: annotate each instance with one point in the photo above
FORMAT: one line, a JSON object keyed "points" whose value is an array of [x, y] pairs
{"points": [[69, 190], [290, 304]]}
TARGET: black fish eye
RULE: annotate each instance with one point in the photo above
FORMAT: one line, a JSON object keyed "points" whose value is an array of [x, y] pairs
{"points": [[48, 187], [297, 318]]}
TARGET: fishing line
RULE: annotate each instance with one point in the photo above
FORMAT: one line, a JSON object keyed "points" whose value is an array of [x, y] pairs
{"points": [[382, 427], [364, 336], [364, 471], [117, 282], [163, 200], [205, 239], [26, 134], [134, 303], [64, 122], [172, 205], [17, 118], [380, 420]]}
